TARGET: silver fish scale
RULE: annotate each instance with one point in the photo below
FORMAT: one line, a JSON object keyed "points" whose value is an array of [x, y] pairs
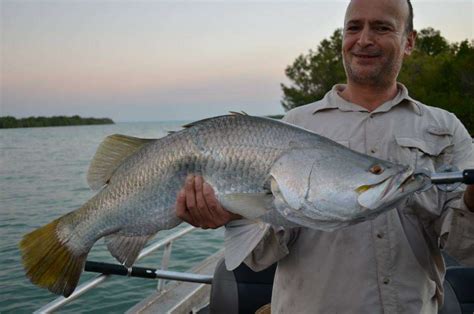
{"points": [[233, 153], [238, 152]]}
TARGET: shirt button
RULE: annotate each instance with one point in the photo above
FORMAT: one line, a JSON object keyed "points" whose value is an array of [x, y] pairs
{"points": [[380, 235], [373, 150], [386, 281]]}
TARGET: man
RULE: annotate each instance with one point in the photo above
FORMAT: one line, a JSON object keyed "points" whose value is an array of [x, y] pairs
{"points": [[391, 264]]}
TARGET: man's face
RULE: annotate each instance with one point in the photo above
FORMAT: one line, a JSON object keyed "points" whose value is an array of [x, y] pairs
{"points": [[375, 42]]}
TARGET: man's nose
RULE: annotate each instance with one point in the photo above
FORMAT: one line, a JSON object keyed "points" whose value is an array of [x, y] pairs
{"points": [[365, 37]]}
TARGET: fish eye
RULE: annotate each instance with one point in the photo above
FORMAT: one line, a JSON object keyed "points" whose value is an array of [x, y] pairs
{"points": [[376, 169]]}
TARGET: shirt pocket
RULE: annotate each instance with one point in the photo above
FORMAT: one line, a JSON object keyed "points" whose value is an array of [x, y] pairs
{"points": [[429, 150]]}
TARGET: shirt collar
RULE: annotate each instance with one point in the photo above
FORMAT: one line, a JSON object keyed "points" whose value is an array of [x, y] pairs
{"points": [[332, 100]]}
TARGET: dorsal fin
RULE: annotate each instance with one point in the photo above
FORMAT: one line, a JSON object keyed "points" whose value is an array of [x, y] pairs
{"points": [[236, 113], [110, 154], [231, 113]]}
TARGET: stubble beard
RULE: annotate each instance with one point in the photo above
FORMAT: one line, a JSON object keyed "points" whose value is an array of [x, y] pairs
{"points": [[381, 77]]}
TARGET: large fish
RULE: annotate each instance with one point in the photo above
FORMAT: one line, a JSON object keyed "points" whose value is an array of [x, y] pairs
{"points": [[259, 168]]}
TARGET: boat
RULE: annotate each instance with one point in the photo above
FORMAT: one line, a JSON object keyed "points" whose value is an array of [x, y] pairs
{"points": [[209, 287]]}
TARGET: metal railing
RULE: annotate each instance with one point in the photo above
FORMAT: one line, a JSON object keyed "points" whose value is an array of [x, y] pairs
{"points": [[92, 283]]}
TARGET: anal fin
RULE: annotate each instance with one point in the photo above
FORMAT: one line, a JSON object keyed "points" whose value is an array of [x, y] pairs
{"points": [[125, 248]]}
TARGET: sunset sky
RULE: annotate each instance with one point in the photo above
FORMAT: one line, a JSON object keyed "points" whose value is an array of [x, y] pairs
{"points": [[169, 60]]}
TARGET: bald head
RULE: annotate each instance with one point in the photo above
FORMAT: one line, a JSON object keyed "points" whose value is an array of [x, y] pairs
{"points": [[404, 6]]}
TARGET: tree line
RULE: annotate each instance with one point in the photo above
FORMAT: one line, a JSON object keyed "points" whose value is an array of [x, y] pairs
{"points": [[438, 73], [12, 122]]}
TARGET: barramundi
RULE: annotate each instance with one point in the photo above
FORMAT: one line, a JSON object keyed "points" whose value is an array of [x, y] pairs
{"points": [[260, 168]]}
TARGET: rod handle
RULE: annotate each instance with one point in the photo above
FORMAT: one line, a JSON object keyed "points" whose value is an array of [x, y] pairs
{"points": [[114, 269], [468, 176]]}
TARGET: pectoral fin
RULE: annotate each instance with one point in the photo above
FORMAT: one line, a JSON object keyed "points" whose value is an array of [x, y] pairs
{"points": [[241, 237], [249, 205]]}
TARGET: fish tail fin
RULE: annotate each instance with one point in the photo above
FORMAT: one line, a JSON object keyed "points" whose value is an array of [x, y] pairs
{"points": [[49, 262]]}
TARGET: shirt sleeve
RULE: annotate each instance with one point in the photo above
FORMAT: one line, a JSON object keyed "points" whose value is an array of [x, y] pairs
{"points": [[456, 224], [273, 247], [457, 232]]}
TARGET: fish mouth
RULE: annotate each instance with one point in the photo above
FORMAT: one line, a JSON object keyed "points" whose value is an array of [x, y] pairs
{"points": [[390, 190]]}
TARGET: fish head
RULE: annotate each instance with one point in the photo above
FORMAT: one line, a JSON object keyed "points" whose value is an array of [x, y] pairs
{"points": [[388, 192], [328, 189]]}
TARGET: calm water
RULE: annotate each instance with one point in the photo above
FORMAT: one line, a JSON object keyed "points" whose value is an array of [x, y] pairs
{"points": [[43, 176]]}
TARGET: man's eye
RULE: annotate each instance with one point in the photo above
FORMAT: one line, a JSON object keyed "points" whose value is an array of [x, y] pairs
{"points": [[382, 28], [352, 28]]}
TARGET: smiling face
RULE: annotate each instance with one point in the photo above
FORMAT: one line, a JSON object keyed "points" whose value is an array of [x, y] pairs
{"points": [[375, 41]]}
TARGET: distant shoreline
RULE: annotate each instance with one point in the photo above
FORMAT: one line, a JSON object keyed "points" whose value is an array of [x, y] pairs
{"points": [[9, 122]]}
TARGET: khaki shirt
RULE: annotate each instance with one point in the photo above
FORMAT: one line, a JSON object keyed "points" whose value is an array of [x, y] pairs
{"points": [[391, 264]]}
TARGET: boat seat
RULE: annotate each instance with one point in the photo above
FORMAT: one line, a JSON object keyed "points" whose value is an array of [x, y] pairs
{"points": [[459, 291], [451, 304], [241, 290]]}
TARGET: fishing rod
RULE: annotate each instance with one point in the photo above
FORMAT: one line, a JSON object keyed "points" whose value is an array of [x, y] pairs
{"points": [[144, 272], [447, 179], [465, 176]]}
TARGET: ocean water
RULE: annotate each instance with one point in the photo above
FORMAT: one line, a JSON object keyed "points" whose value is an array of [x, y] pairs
{"points": [[43, 176]]}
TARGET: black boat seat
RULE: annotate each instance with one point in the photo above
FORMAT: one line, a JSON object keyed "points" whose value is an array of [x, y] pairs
{"points": [[460, 280], [244, 291], [241, 290], [451, 304]]}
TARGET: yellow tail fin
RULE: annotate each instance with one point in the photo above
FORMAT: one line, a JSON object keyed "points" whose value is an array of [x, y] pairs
{"points": [[48, 262]]}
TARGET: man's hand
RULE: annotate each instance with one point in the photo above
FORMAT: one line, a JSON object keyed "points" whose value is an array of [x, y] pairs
{"points": [[469, 197], [197, 205]]}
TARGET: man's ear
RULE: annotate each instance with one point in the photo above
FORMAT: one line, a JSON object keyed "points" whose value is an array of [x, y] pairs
{"points": [[410, 43]]}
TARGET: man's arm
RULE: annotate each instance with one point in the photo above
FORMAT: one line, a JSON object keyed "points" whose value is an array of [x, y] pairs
{"points": [[455, 225], [197, 205]]}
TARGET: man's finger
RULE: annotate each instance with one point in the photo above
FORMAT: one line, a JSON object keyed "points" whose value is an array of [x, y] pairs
{"points": [[190, 193], [181, 210], [200, 201], [220, 216], [190, 196], [210, 198], [194, 210]]}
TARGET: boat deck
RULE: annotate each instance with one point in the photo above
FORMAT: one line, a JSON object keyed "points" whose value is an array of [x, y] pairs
{"points": [[181, 297]]}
